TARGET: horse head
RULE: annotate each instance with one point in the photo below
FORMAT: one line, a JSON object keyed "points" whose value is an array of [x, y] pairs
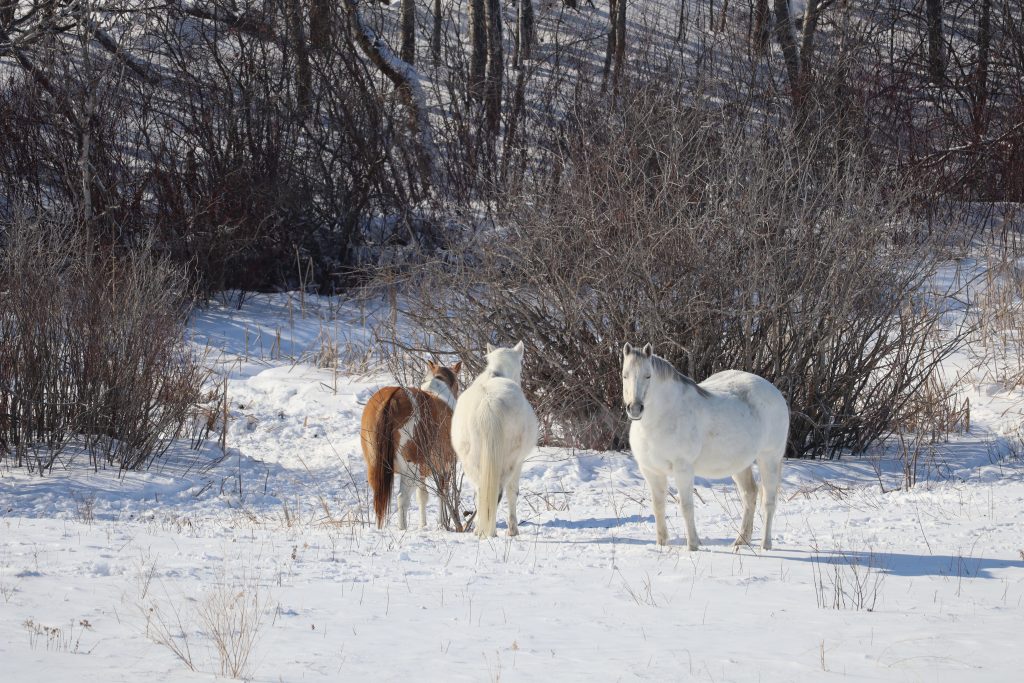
{"points": [[505, 362], [447, 376], [637, 368]]}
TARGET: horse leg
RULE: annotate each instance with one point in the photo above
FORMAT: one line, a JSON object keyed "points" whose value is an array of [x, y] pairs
{"points": [[771, 475], [512, 494], [684, 482], [421, 497], [748, 491], [405, 484], [659, 489]]}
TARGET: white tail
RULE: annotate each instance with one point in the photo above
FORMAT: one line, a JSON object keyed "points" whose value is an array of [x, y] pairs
{"points": [[493, 430], [491, 459]]}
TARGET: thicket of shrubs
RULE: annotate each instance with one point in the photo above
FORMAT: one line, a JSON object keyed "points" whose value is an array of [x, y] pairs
{"points": [[791, 255], [92, 351]]}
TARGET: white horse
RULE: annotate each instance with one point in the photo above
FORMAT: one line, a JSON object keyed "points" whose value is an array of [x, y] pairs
{"points": [[716, 428], [493, 430]]}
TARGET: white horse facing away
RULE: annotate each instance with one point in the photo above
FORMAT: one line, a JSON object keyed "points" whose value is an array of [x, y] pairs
{"points": [[493, 430], [719, 427]]}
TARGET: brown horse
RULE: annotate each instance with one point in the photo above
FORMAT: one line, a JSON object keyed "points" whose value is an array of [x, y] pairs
{"points": [[408, 431]]}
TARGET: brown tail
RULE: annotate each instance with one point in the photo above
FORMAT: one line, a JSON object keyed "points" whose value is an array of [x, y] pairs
{"points": [[380, 461]]}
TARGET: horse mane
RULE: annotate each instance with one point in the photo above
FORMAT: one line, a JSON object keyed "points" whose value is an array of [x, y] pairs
{"points": [[666, 371], [437, 387]]}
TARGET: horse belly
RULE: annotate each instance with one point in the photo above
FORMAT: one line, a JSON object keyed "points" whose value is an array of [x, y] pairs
{"points": [[729, 448]]}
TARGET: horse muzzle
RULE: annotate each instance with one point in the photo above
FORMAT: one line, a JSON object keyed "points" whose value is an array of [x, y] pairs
{"points": [[635, 411]]}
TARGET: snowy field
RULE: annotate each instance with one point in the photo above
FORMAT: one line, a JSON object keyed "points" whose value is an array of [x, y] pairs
{"points": [[262, 563]]}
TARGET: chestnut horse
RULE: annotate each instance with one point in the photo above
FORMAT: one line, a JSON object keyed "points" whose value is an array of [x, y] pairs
{"points": [[407, 431]]}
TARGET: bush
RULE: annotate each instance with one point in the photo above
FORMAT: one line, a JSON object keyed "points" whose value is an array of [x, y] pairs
{"points": [[92, 351], [785, 255]]}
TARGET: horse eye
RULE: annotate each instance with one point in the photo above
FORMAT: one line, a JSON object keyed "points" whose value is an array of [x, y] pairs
{"points": [[647, 376]]}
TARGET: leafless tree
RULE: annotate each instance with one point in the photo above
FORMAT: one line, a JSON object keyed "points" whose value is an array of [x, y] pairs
{"points": [[408, 23], [478, 46], [936, 41], [495, 64]]}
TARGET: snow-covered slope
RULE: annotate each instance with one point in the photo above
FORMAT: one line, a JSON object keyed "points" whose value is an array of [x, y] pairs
{"points": [[103, 579]]}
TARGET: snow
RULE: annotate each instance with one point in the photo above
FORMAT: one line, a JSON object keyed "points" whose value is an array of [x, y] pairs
{"points": [[98, 575]]}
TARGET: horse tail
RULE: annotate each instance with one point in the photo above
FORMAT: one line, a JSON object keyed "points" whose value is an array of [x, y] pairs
{"points": [[492, 455], [380, 460]]}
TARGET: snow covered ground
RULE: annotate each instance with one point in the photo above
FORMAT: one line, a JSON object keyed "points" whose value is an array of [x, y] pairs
{"points": [[176, 573]]}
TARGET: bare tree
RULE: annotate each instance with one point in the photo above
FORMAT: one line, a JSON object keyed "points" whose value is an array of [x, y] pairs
{"points": [[408, 23], [790, 52], [525, 34], [406, 81], [615, 54], [495, 65], [300, 49], [761, 26], [936, 44], [320, 24], [979, 112], [435, 35], [478, 43]]}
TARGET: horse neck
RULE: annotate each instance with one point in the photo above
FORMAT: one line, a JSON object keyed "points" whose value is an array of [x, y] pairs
{"points": [[439, 389], [669, 396]]}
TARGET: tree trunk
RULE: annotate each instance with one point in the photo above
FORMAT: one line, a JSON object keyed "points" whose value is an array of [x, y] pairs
{"points": [[681, 22], [610, 50], [980, 114], [7, 8], [807, 41], [408, 22], [936, 49], [787, 41], [303, 69], [435, 36], [620, 40], [319, 24], [495, 64], [477, 47], [512, 132], [762, 20], [525, 31], [407, 82]]}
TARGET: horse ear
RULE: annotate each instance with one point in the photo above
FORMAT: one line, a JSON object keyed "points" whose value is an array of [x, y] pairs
{"points": [[648, 350], [627, 349], [518, 348], [457, 367], [490, 349], [432, 366]]}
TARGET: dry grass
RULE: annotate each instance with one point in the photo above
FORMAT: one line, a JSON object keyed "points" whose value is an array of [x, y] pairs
{"points": [[847, 581], [232, 617], [228, 619], [998, 304]]}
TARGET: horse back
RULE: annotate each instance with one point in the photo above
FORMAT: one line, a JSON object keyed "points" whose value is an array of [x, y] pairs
{"points": [[745, 402], [385, 413], [431, 443], [418, 424]]}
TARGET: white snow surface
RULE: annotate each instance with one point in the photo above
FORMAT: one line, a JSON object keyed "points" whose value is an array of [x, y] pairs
{"points": [[867, 581]]}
